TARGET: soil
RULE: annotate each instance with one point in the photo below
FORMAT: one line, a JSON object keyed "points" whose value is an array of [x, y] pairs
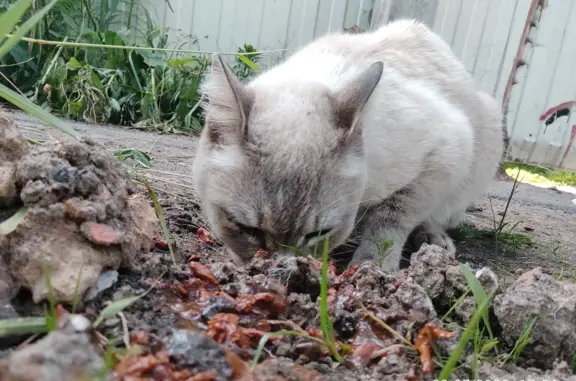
{"points": [[205, 317]]}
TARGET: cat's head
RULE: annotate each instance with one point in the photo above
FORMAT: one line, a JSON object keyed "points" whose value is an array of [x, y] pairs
{"points": [[281, 164]]}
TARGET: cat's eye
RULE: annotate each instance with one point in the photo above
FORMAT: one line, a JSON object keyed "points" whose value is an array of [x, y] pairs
{"points": [[314, 236], [249, 230]]}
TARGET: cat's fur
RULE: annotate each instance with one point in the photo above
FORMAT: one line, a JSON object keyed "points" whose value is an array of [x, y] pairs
{"points": [[385, 128]]}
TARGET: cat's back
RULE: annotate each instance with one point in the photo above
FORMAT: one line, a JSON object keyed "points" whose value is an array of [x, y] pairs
{"points": [[407, 47]]}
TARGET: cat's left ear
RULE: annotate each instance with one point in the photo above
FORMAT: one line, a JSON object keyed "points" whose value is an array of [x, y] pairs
{"points": [[354, 95]]}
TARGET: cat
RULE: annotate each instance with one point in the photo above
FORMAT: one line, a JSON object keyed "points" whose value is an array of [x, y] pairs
{"points": [[384, 131]]}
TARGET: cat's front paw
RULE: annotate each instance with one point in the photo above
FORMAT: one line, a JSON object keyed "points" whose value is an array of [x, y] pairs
{"points": [[442, 240], [385, 256]]}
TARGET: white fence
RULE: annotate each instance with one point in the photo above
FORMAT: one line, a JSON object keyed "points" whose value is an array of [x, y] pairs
{"points": [[521, 51], [224, 25]]}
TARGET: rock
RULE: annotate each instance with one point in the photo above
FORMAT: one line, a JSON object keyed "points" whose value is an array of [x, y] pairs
{"points": [[281, 370], [61, 355], [561, 371], [436, 271], [554, 303], [414, 298], [7, 288], [198, 353], [8, 191], [12, 143], [83, 212], [106, 280]]}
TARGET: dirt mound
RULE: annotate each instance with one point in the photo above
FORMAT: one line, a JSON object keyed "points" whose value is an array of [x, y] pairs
{"points": [[216, 322], [82, 211]]}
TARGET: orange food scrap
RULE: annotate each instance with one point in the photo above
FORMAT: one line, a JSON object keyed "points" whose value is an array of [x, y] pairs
{"points": [[204, 236], [246, 303], [224, 328], [236, 363], [261, 253], [139, 337], [423, 344], [349, 272], [203, 272]]}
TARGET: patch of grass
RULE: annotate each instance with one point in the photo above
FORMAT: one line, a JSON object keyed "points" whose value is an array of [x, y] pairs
{"points": [[98, 71], [467, 232], [50, 311], [326, 322], [471, 331], [533, 174], [524, 339], [383, 249], [119, 305], [479, 294]]}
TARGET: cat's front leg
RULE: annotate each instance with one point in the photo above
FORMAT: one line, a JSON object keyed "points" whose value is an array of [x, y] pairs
{"points": [[385, 228]]}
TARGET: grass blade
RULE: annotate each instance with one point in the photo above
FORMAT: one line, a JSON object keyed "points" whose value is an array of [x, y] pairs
{"points": [[325, 320], [22, 326], [9, 19], [160, 215], [479, 294], [25, 28], [250, 63], [472, 327], [9, 225], [50, 313], [118, 306], [36, 111]]}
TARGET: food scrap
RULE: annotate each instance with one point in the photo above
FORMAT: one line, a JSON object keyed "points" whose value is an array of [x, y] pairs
{"points": [[423, 344]]}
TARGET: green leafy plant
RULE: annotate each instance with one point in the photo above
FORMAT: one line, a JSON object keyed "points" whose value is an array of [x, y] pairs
{"points": [[326, 322], [245, 67], [135, 157]]}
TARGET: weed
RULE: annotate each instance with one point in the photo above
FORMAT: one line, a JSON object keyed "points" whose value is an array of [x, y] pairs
{"points": [[524, 339], [243, 67], [507, 240], [50, 311], [134, 157], [325, 319], [22, 326], [479, 294], [383, 249], [91, 79], [119, 305], [470, 331]]}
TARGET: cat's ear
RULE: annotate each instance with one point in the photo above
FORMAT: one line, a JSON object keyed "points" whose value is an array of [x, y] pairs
{"points": [[229, 103], [354, 95]]}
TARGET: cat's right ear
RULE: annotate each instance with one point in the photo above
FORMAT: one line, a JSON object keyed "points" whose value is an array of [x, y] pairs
{"points": [[229, 103]]}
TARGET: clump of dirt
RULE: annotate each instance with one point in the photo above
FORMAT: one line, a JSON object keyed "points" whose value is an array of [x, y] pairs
{"points": [[552, 305], [214, 321], [82, 211], [211, 320]]}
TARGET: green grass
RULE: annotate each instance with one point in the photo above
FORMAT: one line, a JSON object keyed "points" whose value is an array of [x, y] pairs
{"points": [[537, 175], [508, 240], [326, 322]]}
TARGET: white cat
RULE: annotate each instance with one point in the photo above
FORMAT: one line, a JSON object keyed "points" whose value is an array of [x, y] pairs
{"points": [[385, 129]]}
